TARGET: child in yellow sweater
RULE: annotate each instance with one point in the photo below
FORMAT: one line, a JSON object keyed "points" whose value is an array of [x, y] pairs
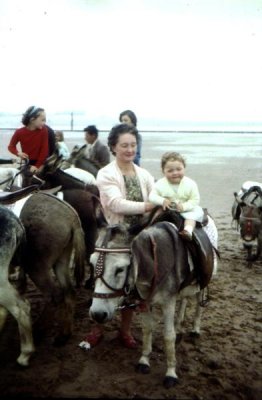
{"points": [[179, 192]]}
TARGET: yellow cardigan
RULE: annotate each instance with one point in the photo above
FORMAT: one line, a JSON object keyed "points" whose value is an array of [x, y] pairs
{"points": [[187, 193]]}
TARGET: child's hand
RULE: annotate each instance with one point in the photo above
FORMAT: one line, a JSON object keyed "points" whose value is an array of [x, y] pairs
{"points": [[166, 204]]}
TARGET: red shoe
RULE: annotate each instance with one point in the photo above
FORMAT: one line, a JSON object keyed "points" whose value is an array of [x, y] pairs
{"points": [[127, 340], [94, 337]]}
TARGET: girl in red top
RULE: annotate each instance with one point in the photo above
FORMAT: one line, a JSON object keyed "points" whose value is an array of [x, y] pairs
{"points": [[33, 139]]}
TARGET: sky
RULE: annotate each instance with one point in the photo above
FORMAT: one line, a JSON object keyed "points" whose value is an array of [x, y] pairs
{"points": [[173, 60]]}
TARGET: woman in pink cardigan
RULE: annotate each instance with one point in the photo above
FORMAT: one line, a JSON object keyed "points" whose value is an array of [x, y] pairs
{"points": [[124, 189]]}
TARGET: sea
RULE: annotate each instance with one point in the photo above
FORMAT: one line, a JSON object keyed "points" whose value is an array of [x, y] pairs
{"points": [[198, 146]]}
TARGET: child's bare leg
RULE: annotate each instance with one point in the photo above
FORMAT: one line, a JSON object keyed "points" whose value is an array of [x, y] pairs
{"points": [[189, 225]]}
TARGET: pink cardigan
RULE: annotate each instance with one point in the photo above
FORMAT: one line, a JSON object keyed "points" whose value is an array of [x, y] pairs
{"points": [[112, 190]]}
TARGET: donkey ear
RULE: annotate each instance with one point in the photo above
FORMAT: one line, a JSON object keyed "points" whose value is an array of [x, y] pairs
{"points": [[239, 200]]}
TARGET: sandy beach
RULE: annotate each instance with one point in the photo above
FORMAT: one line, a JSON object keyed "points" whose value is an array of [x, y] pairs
{"points": [[224, 363]]}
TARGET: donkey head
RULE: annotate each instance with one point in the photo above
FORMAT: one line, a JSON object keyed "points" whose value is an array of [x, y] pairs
{"points": [[50, 166], [250, 222], [112, 261]]}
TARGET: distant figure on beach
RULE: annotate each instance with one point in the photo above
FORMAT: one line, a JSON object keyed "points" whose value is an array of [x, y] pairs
{"points": [[178, 192], [33, 141], [128, 117], [93, 155], [61, 146], [95, 150]]}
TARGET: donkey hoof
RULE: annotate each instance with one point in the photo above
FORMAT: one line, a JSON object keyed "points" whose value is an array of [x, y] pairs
{"points": [[143, 368], [169, 382], [23, 360], [194, 334]]}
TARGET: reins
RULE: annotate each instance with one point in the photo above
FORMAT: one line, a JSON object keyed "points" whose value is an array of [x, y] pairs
{"points": [[12, 179]]}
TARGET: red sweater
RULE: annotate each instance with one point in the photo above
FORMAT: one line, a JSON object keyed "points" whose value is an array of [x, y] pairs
{"points": [[34, 143]]}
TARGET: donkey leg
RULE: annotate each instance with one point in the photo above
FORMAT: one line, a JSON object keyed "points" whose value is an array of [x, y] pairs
{"points": [[41, 273], [168, 310], [189, 291], [67, 306], [181, 315], [43, 277], [20, 309], [169, 341], [3, 316], [259, 246], [197, 316], [143, 365], [249, 248]]}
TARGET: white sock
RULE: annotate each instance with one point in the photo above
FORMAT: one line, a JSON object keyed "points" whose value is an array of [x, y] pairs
{"points": [[189, 229]]}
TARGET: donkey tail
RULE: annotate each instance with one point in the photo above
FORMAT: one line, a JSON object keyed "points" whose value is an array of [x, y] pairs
{"points": [[80, 252]]}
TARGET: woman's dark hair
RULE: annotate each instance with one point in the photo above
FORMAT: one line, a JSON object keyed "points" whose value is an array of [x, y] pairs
{"points": [[117, 131], [130, 114], [31, 112]]}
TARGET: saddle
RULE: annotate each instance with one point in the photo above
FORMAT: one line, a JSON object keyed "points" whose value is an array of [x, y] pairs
{"points": [[200, 249], [13, 197]]}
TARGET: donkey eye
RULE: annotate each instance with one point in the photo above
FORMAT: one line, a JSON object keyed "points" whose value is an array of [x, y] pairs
{"points": [[119, 270]]}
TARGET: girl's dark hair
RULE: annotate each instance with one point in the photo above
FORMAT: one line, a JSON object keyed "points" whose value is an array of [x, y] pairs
{"points": [[31, 112], [130, 114], [117, 131]]}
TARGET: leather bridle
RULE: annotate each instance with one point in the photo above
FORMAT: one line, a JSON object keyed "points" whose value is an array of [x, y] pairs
{"points": [[100, 268]]}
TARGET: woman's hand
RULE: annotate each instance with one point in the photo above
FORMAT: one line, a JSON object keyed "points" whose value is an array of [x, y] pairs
{"points": [[149, 206], [22, 155]]}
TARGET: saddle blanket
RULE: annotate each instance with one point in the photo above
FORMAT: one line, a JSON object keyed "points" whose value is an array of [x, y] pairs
{"points": [[211, 231]]}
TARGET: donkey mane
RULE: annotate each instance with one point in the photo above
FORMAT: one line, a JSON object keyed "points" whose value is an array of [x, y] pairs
{"points": [[156, 215]]}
